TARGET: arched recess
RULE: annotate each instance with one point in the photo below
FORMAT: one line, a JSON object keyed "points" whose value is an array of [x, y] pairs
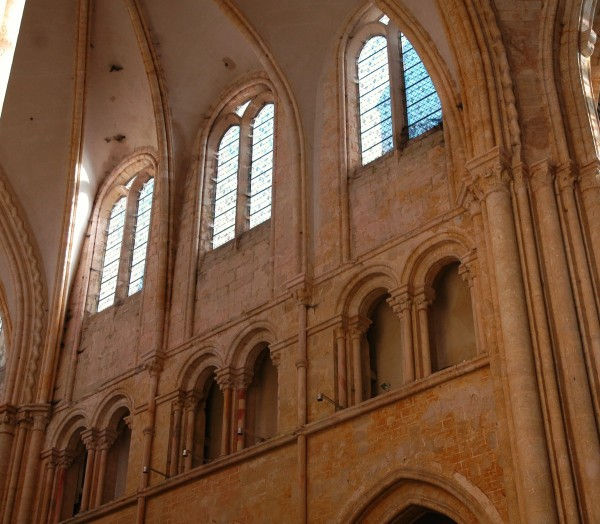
{"points": [[243, 352], [143, 163], [451, 495], [297, 147]]}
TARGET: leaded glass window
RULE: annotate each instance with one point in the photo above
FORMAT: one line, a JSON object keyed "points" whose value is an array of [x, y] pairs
{"points": [[423, 106], [140, 238], [112, 254], [226, 187], [375, 104], [261, 172]]}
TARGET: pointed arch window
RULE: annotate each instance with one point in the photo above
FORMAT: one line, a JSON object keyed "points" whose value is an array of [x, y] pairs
{"points": [[240, 178], [123, 248], [396, 98]]}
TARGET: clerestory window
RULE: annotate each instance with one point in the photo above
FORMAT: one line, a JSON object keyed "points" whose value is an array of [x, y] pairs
{"points": [[123, 265], [242, 176], [396, 99]]}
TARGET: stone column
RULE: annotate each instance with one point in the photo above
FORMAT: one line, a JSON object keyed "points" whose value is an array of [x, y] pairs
{"points": [[39, 414], [357, 328], [176, 450], [8, 425], [570, 353], [468, 273], [191, 403], [242, 382], [49, 463], [342, 380], [89, 439], [106, 439], [589, 187], [401, 303], [56, 500], [423, 299], [226, 383], [490, 183], [583, 285], [23, 423]]}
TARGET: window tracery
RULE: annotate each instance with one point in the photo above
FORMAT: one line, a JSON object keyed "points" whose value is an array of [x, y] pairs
{"points": [[396, 98], [240, 181]]}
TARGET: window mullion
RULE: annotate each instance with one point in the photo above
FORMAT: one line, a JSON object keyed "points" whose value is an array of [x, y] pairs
{"points": [[243, 201], [397, 85], [127, 243]]}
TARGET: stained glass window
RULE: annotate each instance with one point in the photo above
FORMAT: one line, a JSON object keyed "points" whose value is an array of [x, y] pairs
{"points": [[261, 172], [140, 239], [112, 255], [375, 105], [423, 106], [226, 187]]}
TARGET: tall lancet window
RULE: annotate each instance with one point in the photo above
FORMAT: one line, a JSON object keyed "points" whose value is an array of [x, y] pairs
{"points": [[391, 95], [140, 239], [261, 172], [226, 186], [376, 129], [112, 254]]}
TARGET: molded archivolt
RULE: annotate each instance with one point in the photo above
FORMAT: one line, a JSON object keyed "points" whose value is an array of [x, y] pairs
{"points": [[25, 299], [450, 495]]}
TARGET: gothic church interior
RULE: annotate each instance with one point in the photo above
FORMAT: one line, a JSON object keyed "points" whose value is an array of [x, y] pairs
{"points": [[304, 261]]}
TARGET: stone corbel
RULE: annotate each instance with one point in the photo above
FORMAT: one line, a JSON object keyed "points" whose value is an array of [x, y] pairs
{"points": [[276, 351]]}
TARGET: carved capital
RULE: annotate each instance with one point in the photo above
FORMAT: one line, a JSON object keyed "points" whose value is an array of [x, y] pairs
{"points": [[589, 176], [243, 378], [358, 326], [66, 458], [8, 418], [424, 297], [225, 378], [89, 438], [565, 176], [106, 438], [400, 301], [51, 457], [489, 173], [541, 174]]}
